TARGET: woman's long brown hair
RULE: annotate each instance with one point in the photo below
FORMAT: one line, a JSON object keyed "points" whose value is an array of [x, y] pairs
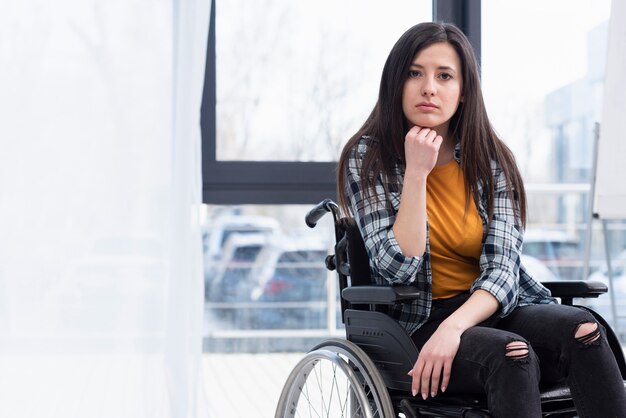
{"points": [[470, 125]]}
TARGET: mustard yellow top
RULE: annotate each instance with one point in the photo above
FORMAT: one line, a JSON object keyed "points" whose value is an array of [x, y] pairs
{"points": [[455, 237]]}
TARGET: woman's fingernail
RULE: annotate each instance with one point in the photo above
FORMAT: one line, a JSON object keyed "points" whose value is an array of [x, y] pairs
{"points": [[414, 392], [424, 396], [443, 388], [433, 394]]}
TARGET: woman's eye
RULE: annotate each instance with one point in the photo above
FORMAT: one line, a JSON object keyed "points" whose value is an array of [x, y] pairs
{"points": [[445, 76], [414, 73]]}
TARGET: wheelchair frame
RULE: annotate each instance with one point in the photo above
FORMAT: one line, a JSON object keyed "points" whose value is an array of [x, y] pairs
{"points": [[371, 365]]}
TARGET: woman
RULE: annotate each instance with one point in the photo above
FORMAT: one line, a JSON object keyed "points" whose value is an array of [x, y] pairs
{"points": [[441, 205]]}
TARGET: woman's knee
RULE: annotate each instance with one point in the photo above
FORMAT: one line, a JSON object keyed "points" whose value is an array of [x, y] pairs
{"points": [[519, 365], [584, 329], [517, 350], [587, 333], [577, 326], [499, 347], [500, 358]]}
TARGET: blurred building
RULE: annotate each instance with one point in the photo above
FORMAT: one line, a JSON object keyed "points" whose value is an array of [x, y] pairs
{"points": [[570, 114]]}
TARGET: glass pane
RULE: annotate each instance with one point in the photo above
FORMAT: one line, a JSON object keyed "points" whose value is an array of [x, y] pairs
{"points": [[543, 84], [266, 283], [296, 79], [543, 74]]}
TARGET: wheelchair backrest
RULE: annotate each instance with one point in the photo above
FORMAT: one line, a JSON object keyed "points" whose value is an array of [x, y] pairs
{"points": [[357, 257]]}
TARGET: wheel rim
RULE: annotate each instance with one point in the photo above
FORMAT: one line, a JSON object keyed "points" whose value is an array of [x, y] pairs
{"points": [[330, 382]]}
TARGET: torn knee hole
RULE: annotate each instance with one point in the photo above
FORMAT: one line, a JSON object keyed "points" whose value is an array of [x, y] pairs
{"points": [[587, 333], [517, 350]]}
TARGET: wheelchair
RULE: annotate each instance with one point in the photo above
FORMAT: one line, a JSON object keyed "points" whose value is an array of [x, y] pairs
{"points": [[365, 375]]}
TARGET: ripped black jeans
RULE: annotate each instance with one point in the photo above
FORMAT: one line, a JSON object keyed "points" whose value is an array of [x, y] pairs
{"points": [[511, 378]]}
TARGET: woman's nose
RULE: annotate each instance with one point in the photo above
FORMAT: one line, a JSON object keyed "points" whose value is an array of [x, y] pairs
{"points": [[428, 88]]}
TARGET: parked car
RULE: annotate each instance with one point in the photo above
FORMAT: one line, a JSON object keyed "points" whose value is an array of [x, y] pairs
{"points": [[603, 304], [293, 290], [537, 269], [618, 268], [559, 251], [220, 229], [232, 277]]}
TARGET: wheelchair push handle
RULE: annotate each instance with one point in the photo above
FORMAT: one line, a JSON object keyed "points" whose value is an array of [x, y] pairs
{"points": [[321, 209]]}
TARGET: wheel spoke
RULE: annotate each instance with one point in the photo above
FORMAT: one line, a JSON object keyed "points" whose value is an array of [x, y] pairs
{"points": [[336, 379], [321, 390], [332, 387], [345, 403], [347, 396], [308, 400]]}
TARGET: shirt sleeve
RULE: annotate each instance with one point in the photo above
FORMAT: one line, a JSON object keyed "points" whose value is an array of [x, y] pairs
{"points": [[500, 258], [375, 217]]}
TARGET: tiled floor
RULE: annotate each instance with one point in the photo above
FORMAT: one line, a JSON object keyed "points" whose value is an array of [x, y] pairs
{"points": [[245, 385]]}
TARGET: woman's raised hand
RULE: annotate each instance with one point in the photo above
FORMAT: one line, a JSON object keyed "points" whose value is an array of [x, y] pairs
{"points": [[421, 148]]}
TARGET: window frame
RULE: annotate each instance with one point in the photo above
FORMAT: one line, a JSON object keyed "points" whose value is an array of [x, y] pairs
{"points": [[288, 182]]}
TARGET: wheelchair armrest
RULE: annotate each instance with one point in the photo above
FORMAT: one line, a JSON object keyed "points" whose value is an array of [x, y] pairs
{"points": [[576, 288], [388, 295], [385, 295]]}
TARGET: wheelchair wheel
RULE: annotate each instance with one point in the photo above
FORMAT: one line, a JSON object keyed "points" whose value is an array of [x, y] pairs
{"points": [[335, 379]]}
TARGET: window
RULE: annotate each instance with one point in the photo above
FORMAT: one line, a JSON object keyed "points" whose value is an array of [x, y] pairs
{"points": [[287, 83], [541, 85], [285, 91], [543, 91]]}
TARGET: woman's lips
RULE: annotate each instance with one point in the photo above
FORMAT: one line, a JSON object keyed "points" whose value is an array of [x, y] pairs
{"points": [[426, 106]]}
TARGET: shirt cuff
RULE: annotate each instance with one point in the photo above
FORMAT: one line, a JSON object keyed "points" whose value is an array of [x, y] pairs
{"points": [[396, 267]]}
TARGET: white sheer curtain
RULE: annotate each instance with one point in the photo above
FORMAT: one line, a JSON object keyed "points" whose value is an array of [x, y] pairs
{"points": [[100, 248]]}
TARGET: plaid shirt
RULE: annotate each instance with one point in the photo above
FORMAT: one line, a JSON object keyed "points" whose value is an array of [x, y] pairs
{"points": [[501, 272]]}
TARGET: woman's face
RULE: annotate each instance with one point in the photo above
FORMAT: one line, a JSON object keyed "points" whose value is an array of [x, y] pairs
{"points": [[432, 91]]}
